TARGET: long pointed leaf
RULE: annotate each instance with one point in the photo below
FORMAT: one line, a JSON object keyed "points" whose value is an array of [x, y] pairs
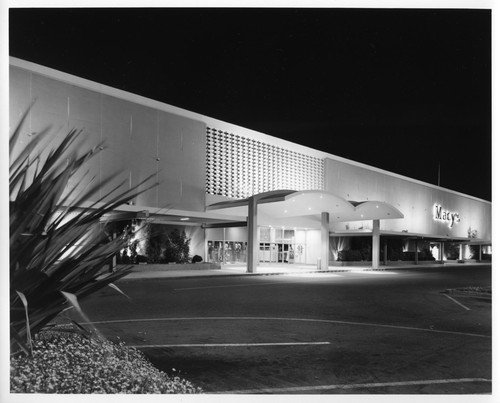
{"points": [[25, 303]]}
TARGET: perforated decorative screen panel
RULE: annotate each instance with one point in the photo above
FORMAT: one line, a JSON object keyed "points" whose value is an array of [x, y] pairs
{"points": [[240, 167]]}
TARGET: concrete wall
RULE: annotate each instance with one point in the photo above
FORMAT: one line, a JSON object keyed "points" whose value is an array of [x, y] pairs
{"points": [[235, 234], [313, 246], [140, 140], [414, 199]]}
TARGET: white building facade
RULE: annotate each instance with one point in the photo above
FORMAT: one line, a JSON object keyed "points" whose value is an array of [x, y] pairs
{"points": [[244, 197]]}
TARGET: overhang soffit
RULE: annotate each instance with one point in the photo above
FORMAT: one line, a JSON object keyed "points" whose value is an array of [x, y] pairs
{"points": [[289, 204]]}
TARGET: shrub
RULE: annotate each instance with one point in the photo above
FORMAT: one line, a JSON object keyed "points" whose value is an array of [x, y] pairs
{"points": [[196, 259], [124, 258], [132, 249], [350, 255], [155, 241], [366, 254], [425, 254], [409, 256], [451, 251], [74, 364], [177, 247], [395, 255], [141, 259]]}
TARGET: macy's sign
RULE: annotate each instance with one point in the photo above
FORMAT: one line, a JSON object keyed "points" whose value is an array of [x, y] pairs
{"points": [[446, 216]]}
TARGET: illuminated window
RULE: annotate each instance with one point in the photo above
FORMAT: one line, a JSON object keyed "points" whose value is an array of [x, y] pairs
{"points": [[240, 167]]}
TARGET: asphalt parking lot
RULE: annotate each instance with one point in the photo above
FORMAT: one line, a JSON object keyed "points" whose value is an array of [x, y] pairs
{"points": [[360, 332]]}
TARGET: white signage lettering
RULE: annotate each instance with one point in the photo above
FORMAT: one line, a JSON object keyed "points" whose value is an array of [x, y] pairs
{"points": [[445, 216]]}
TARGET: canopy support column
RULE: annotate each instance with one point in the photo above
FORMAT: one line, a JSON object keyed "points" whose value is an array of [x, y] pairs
{"points": [[376, 244], [416, 251], [253, 241], [325, 240]]}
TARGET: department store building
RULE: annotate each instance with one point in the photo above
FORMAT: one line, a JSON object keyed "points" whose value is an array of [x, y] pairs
{"points": [[247, 198]]}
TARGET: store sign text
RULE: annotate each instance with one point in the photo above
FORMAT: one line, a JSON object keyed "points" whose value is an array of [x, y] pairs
{"points": [[446, 216]]}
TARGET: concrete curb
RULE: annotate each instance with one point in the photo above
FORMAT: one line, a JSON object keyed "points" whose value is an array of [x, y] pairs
{"points": [[172, 276]]}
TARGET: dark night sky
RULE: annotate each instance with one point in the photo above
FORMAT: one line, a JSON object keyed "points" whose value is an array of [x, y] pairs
{"points": [[402, 90]]}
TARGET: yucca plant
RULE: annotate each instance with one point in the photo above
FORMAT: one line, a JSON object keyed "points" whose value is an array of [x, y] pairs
{"points": [[57, 247]]}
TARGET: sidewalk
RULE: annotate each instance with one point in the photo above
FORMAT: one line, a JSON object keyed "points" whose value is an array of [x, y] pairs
{"points": [[279, 269]]}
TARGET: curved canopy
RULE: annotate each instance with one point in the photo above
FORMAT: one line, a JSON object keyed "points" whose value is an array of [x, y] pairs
{"points": [[282, 204]]}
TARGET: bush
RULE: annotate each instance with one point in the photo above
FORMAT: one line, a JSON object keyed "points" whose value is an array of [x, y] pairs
{"points": [[350, 255], [422, 255], [75, 364], [196, 259], [155, 241], [451, 251], [177, 247], [426, 254], [408, 256], [141, 259], [395, 255]]}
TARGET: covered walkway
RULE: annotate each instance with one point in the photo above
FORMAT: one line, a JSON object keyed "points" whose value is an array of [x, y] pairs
{"points": [[314, 208]]}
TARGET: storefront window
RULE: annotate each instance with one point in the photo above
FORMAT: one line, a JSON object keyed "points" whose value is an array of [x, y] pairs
{"points": [[226, 252], [276, 245]]}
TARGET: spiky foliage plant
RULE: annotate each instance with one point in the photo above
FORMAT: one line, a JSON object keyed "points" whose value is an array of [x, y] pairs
{"points": [[56, 245]]}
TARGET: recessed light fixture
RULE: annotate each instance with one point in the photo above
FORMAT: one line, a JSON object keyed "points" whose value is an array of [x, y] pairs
{"points": [[185, 219]]}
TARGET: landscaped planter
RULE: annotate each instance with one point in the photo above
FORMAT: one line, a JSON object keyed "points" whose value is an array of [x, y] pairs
{"points": [[407, 262], [389, 263], [346, 263], [176, 266]]}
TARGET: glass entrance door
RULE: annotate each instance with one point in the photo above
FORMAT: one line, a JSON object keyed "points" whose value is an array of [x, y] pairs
{"points": [[273, 252]]}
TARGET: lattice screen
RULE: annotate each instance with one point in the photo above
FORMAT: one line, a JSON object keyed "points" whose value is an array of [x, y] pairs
{"points": [[240, 167]]}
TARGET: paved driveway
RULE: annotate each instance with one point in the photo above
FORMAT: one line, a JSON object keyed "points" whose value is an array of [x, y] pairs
{"points": [[358, 332]]}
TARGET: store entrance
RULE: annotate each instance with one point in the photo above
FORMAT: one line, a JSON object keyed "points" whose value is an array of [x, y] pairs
{"points": [[279, 245], [275, 246], [281, 252]]}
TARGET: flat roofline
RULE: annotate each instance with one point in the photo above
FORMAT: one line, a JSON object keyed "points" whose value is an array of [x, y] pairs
{"points": [[128, 96]]}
